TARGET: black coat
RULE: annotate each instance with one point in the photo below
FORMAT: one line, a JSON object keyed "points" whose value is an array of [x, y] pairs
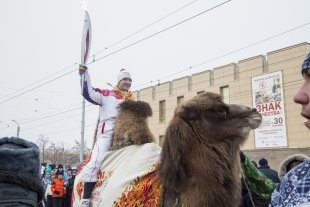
{"points": [[19, 190], [247, 197], [270, 173]]}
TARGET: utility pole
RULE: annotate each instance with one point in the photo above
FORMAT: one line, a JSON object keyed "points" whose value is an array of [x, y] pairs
{"points": [[18, 128], [82, 131]]}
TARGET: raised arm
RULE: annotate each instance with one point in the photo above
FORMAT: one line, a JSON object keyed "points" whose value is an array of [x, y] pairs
{"points": [[89, 93]]}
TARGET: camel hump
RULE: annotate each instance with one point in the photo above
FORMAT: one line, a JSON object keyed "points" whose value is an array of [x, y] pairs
{"points": [[140, 108]]}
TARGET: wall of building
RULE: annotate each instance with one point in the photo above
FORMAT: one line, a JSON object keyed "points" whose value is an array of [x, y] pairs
{"points": [[238, 77]]}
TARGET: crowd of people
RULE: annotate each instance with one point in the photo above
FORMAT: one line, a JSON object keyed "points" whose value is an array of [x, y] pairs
{"points": [[58, 185]]}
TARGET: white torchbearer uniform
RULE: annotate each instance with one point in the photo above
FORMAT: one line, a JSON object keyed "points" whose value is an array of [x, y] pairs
{"points": [[108, 101]]}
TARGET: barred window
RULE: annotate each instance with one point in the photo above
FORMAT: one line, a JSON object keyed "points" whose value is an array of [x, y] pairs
{"points": [[225, 94], [162, 110], [180, 99]]}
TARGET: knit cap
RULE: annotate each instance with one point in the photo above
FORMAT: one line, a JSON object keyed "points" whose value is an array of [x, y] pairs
{"points": [[306, 64], [123, 73], [263, 162]]}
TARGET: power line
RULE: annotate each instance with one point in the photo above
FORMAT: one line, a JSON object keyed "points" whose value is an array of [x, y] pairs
{"points": [[53, 112], [149, 25], [232, 97], [56, 121], [113, 44], [214, 79], [38, 81], [226, 54], [161, 31], [37, 87], [143, 39], [48, 115], [72, 129]]}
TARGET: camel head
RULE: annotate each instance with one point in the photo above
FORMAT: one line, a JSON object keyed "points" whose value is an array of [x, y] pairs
{"points": [[211, 119]]}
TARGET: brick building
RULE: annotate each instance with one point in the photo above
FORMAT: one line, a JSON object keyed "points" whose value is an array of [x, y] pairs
{"points": [[236, 83]]}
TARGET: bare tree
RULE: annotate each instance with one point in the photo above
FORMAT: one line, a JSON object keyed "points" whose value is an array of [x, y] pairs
{"points": [[77, 147], [57, 153], [42, 142]]}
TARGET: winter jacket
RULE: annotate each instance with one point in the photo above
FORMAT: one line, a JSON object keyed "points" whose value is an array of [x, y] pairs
{"points": [[293, 189], [108, 100], [58, 188], [270, 173]]}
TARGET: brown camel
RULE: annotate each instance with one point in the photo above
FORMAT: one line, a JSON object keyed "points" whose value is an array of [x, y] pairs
{"points": [[200, 163]]}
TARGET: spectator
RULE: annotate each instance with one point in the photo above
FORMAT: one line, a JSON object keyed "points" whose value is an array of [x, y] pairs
{"points": [[60, 169], [48, 169], [270, 173], [290, 163], [20, 173], [53, 166], [254, 163], [48, 192], [58, 190], [46, 180], [256, 187], [294, 188], [70, 188], [68, 167]]}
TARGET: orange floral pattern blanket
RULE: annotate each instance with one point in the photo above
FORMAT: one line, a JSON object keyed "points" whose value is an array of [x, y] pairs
{"points": [[127, 178]]}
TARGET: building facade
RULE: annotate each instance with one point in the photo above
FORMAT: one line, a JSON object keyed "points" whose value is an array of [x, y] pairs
{"points": [[267, 83]]}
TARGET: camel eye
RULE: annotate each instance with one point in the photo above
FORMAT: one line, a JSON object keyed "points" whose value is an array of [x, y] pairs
{"points": [[221, 113]]}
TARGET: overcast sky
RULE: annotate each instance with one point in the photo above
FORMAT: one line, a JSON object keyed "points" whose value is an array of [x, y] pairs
{"points": [[40, 38]]}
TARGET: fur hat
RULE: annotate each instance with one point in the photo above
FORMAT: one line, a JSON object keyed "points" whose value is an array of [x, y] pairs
{"points": [[287, 164], [306, 64], [123, 73], [263, 162], [20, 164]]}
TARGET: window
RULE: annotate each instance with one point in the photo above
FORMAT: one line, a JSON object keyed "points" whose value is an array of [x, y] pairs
{"points": [[138, 96], [180, 99], [199, 92], [225, 94], [170, 88], [161, 140], [162, 110], [153, 93], [190, 84]]}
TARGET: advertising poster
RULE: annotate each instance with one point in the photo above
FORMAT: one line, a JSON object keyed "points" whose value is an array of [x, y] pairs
{"points": [[268, 99]]}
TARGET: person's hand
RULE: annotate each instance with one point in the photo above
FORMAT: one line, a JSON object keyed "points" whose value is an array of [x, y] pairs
{"points": [[56, 192], [82, 69]]}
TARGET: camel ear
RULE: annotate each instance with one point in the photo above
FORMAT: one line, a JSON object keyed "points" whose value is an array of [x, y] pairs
{"points": [[188, 113], [172, 169]]}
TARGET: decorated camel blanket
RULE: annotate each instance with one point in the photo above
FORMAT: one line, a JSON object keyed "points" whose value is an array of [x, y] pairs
{"points": [[127, 178]]}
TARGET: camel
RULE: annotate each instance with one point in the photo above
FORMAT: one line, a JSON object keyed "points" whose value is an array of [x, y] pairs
{"points": [[197, 166], [200, 162]]}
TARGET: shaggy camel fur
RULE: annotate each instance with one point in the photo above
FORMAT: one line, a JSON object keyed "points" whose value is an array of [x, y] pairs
{"points": [[131, 125], [200, 161]]}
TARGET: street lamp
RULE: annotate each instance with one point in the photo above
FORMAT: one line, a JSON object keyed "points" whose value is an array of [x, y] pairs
{"points": [[18, 128]]}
